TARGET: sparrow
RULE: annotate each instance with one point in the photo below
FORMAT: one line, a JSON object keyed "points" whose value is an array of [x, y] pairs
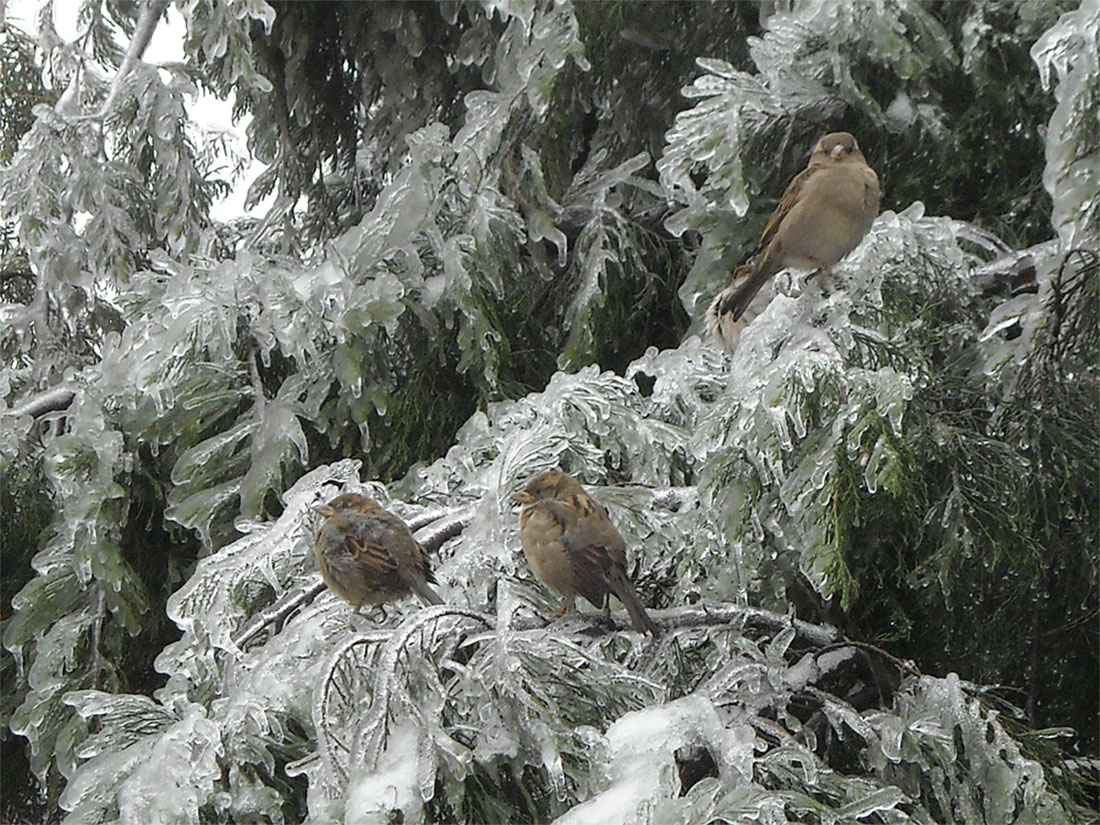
{"points": [[574, 548], [824, 214], [368, 556]]}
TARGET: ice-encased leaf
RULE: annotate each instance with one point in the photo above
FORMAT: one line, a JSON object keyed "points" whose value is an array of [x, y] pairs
{"points": [[123, 719], [276, 440], [606, 252], [686, 380], [529, 54], [40, 716], [90, 796], [178, 776], [942, 726]]}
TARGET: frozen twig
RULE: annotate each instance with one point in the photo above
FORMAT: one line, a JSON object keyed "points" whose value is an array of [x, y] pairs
{"points": [[751, 618], [51, 400], [1014, 272], [446, 525], [279, 612]]}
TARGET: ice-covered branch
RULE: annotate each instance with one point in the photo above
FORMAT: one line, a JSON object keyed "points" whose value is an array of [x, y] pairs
{"points": [[143, 33], [434, 528], [751, 618], [1014, 272], [708, 615], [51, 400], [279, 612]]}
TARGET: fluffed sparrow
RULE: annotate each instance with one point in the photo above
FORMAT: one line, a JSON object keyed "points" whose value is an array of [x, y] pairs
{"points": [[368, 556]]}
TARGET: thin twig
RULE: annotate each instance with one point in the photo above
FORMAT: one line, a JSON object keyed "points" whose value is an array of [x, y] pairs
{"points": [[900, 664]]}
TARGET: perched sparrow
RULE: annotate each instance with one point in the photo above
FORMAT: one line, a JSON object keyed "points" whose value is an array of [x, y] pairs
{"points": [[824, 214], [573, 548], [368, 556]]}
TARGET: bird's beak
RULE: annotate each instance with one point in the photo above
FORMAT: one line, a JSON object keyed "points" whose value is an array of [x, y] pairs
{"points": [[523, 498], [324, 509], [838, 150]]}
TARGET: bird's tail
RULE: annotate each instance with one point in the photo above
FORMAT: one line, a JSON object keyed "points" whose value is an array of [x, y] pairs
{"points": [[620, 585], [422, 589], [741, 292], [733, 308]]}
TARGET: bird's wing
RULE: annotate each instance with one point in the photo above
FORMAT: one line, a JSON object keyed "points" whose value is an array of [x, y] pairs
{"points": [[597, 552], [372, 554], [786, 203], [595, 547], [382, 545]]}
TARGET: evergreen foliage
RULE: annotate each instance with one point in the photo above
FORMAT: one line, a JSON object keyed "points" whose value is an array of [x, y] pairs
{"points": [[494, 229]]}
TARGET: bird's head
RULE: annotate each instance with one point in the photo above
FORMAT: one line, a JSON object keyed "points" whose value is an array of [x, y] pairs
{"points": [[348, 503], [837, 146], [548, 485]]}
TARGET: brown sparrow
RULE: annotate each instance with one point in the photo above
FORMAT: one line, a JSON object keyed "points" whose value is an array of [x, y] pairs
{"points": [[824, 214], [368, 556], [574, 548]]}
